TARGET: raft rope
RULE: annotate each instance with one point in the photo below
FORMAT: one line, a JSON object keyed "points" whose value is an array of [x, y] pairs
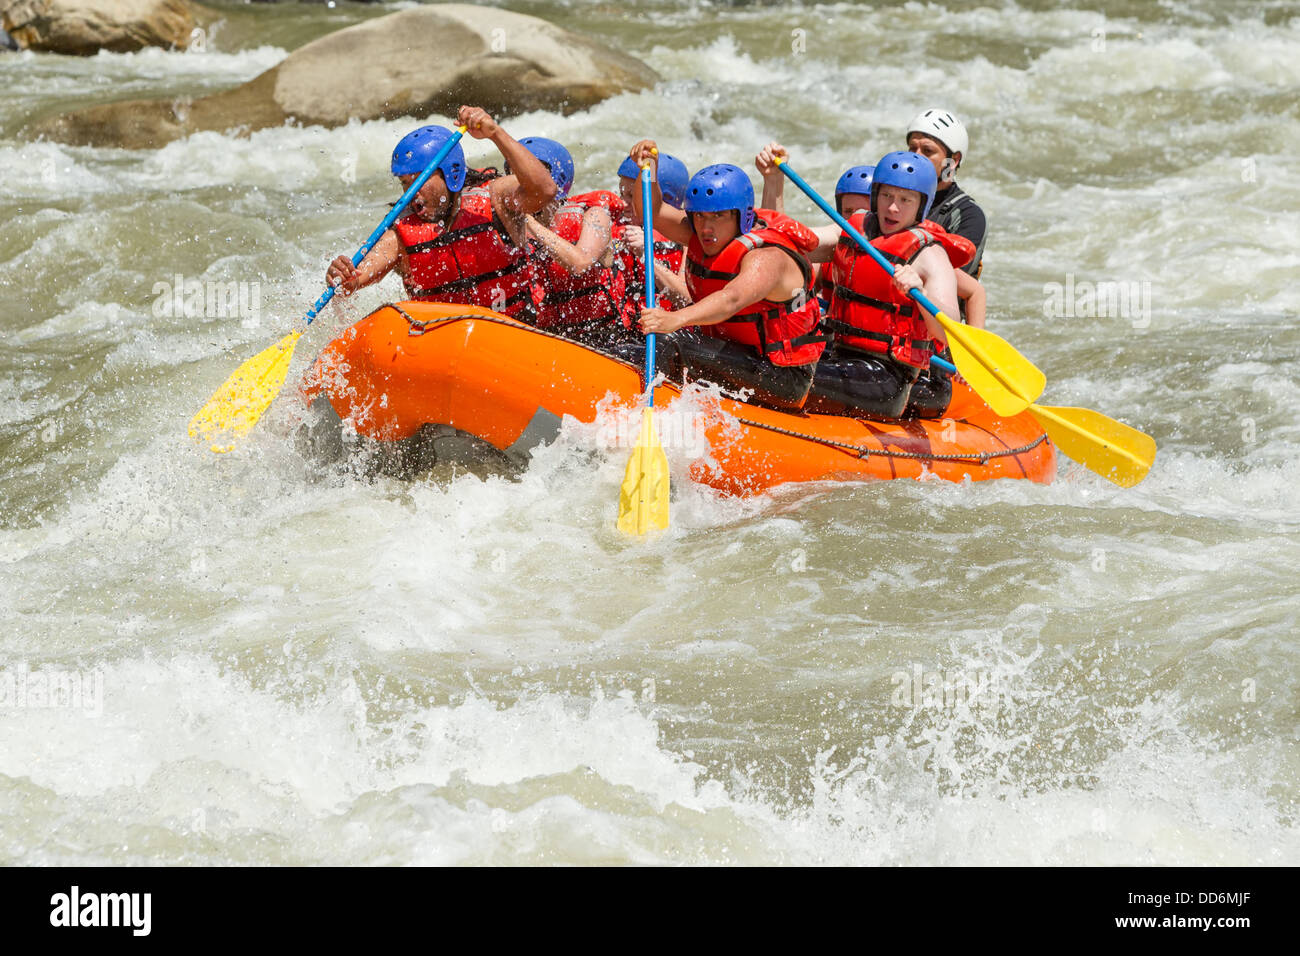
{"points": [[862, 451], [858, 451]]}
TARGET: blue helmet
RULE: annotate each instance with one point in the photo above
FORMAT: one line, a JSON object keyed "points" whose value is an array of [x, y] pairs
{"points": [[856, 180], [720, 187], [417, 148], [557, 160], [907, 171], [673, 177]]}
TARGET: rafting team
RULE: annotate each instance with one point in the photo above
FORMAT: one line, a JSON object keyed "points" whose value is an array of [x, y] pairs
{"points": [[740, 301]]}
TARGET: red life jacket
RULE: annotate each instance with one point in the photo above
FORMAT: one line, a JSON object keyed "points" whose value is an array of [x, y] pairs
{"points": [[824, 281], [784, 332], [593, 298], [474, 261], [667, 254], [867, 311]]}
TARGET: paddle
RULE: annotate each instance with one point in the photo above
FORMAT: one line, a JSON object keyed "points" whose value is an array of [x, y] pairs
{"points": [[1116, 451], [999, 374], [643, 499], [236, 406], [1009, 383]]}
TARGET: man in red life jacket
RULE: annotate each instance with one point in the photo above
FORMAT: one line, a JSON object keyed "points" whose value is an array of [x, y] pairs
{"points": [[629, 242], [882, 338], [752, 322], [457, 244], [941, 137], [577, 291]]}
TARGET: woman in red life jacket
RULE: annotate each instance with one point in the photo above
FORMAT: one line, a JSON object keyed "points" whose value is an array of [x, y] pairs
{"points": [[752, 322], [629, 242], [457, 244], [882, 338], [577, 291]]}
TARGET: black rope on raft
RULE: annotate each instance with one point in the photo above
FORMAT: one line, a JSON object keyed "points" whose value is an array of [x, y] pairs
{"points": [[419, 328], [861, 451]]}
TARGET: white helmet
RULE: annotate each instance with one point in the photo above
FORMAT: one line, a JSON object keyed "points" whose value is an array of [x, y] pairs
{"points": [[943, 126]]}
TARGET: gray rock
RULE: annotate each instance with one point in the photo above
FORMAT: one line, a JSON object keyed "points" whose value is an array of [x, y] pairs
{"points": [[419, 62], [84, 27]]}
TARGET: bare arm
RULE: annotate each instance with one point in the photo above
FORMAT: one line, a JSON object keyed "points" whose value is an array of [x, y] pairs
{"points": [[773, 178], [529, 186], [934, 274], [827, 238], [591, 247], [671, 223], [764, 273], [667, 282], [971, 291], [379, 261], [672, 284]]}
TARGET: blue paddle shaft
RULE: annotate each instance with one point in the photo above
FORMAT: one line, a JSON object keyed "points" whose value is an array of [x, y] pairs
{"points": [[391, 218], [648, 240], [858, 237]]}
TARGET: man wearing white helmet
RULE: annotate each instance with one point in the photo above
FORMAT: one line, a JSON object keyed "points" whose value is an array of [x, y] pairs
{"points": [[941, 138]]}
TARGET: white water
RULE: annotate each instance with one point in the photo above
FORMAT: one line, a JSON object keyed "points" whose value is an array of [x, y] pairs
{"points": [[354, 669]]}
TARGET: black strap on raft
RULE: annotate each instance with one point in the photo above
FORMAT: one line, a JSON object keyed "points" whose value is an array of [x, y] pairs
{"points": [[419, 328]]}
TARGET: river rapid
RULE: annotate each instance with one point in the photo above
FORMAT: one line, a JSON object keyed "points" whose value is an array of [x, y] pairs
{"points": [[237, 659]]}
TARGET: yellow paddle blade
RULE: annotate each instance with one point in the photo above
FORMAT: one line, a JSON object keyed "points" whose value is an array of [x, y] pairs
{"points": [[1000, 375], [643, 499], [1112, 449], [236, 406]]}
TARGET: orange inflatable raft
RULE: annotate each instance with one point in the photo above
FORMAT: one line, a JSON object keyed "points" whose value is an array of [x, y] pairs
{"points": [[416, 365]]}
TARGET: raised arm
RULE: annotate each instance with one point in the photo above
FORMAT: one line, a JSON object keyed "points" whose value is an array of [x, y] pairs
{"points": [[773, 178], [672, 223], [529, 186]]}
